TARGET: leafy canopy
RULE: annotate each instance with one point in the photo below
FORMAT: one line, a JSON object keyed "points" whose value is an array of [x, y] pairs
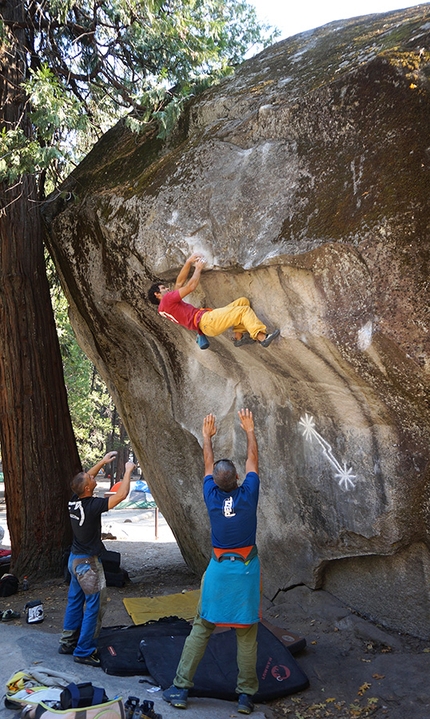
{"points": [[92, 61]]}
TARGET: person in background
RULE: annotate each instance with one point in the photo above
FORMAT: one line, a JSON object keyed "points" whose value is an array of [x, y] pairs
{"points": [[86, 600]]}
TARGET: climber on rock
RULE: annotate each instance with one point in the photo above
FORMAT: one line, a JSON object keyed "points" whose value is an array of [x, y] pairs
{"points": [[247, 328]]}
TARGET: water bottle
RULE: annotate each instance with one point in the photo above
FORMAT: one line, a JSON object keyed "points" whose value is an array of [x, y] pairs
{"points": [[25, 584]]}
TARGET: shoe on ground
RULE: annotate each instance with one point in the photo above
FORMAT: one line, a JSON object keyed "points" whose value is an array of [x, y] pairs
{"points": [[147, 710], [66, 648], [245, 704], [176, 697], [202, 341], [130, 706], [246, 339], [9, 615], [93, 660], [270, 338]]}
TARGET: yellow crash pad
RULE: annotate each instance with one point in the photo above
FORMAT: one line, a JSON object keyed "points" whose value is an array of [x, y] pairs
{"points": [[143, 609]]}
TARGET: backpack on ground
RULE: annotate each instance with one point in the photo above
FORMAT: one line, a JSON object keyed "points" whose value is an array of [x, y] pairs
{"points": [[8, 585], [76, 701], [35, 684], [76, 696]]}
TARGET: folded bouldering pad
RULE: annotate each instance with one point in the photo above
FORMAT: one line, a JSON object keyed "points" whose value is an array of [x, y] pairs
{"points": [[119, 647]]}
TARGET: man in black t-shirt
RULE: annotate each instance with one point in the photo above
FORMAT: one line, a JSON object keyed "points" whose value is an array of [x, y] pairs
{"points": [[86, 600]]}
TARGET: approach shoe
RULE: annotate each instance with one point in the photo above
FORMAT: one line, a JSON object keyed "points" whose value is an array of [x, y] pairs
{"points": [[246, 339], [9, 615], [147, 710], [176, 697], [130, 706], [202, 341], [270, 338], [93, 660], [245, 704], [66, 648]]}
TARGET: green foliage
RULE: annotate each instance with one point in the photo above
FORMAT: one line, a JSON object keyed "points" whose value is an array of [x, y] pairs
{"points": [[168, 116], [19, 155], [54, 114], [91, 407], [53, 110], [93, 62]]}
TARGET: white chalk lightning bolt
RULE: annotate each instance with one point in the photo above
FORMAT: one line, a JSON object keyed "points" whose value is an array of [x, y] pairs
{"points": [[343, 474]]}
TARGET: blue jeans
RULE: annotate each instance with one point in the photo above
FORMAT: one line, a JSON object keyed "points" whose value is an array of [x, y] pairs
{"points": [[86, 604]]}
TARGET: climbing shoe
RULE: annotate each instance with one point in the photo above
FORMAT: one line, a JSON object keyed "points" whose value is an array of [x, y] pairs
{"points": [[246, 339], [269, 338]]}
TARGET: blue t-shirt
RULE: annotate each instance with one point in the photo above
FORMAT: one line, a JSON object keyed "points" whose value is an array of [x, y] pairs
{"points": [[233, 515]]}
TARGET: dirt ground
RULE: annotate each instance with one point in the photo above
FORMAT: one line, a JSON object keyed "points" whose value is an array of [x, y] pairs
{"points": [[355, 667]]}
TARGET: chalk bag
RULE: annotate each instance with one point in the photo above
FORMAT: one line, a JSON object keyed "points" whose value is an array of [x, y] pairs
{"points": [[34, 611]]}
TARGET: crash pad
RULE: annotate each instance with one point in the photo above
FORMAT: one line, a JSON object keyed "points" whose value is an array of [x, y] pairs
{"points": [[143, 609], [120, 651], [119, 647], [278, 672]]}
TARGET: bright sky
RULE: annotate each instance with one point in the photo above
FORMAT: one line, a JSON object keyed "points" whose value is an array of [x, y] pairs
{"points": [[294, 16]]}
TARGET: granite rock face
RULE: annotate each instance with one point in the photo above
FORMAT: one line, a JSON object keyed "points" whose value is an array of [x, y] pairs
{"points": [[304, 181]]}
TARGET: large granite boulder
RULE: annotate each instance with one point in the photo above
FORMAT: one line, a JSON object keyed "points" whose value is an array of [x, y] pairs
{"points": [[304, 181]]}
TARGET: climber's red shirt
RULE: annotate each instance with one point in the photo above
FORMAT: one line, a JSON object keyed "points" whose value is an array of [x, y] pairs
{"points": [[182, 313]]}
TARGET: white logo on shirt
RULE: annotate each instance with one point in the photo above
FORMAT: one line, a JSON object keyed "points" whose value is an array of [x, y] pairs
{"points": [[228, 507], [168, 317], [77, 507]]}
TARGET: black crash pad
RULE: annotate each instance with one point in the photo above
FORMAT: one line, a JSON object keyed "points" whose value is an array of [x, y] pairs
{"points": [[278, 672], [119, 647]]}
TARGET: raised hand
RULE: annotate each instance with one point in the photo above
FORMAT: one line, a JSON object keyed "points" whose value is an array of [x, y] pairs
{"points": [[209, 427], [109, 457], [246, 420]]}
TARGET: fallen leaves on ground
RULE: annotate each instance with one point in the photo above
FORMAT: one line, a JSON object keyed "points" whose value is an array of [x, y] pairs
{"points": [[330, 708]]}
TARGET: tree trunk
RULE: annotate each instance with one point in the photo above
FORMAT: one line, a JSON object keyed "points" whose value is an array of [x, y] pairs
{"points": [[38, 445]]}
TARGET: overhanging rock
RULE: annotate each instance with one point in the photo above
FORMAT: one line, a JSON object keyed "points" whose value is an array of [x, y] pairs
{"points": [[304, 182]]}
